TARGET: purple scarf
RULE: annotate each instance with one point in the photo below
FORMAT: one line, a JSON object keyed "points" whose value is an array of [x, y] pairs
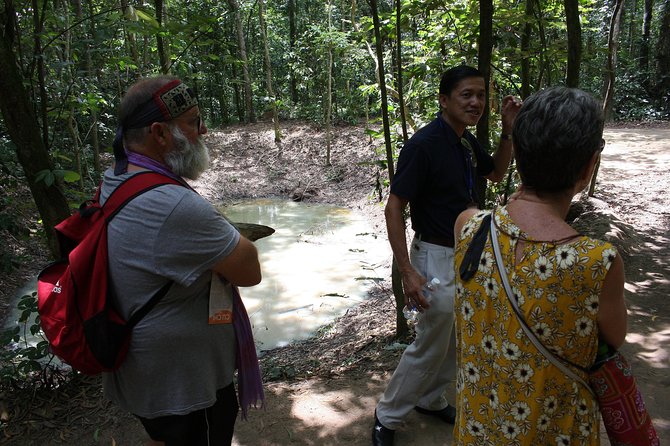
{"points": [[249, 381], [149, 163]]}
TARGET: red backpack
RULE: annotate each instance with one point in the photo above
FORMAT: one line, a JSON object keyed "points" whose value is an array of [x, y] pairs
{"points": [[74, 294]]}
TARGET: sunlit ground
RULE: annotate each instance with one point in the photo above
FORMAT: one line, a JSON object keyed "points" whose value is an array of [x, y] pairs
{"points": [[634, 173]]}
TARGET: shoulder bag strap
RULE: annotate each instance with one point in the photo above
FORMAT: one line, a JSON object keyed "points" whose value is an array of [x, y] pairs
{"points": [[132, 187], [129, 189], [508, 290]]}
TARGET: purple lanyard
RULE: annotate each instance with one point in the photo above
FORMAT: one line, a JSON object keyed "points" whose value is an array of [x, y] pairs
{"points": [[149, 163]]}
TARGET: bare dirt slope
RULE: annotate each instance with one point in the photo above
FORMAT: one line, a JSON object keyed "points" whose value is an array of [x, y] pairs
{"points": [[323, 391]]}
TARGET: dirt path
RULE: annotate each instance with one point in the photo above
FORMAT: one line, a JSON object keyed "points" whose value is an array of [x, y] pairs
{"points": [[323, 391], [634, 179]]}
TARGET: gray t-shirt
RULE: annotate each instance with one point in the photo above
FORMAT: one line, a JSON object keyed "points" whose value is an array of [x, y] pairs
{"points": [[176, 361]]}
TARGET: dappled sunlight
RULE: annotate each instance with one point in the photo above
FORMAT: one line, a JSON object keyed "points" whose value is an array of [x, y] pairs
{"points": [[652, 348], [320, 261], [334, 408], [328, 412]]}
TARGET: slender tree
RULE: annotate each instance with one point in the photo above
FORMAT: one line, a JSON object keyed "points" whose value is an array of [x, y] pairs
{"points": [[662, 90], [161, 44], [525, 48], [329, 84], [23, 128], [399, 81], [612, 48], [92, 74], [612, 55], [574, 42], [485, 44], [644, 42], [242, 47], [130, 39], [268, 70], [401, 324], [292, 36], [38, 27]]}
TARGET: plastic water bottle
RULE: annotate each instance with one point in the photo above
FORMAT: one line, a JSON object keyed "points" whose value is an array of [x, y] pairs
{"points": [[412, 313]]}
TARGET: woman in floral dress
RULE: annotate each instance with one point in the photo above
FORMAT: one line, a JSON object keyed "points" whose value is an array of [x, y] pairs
{"points": [[569, 288]]}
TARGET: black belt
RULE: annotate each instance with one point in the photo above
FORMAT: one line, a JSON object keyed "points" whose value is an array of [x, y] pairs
{"points": [[441, 241]]}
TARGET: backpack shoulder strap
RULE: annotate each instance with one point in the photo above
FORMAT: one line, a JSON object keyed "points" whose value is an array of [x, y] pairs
{"points": [[134, 186], [124, 193]]}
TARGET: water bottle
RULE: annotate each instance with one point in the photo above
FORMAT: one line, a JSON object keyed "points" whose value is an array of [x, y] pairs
{"points": [[412, 313]]}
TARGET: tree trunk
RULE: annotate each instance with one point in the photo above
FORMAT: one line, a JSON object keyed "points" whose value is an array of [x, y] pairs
{"points": [[525, 50], [38, 24], [131, 39], [644, 43], [612, 53], [574, 42], [401, 96], [24, 131], [662, 90], [401, 324], [160, 42], [292, 34], [239, 106], [485, 43], [612, 48], [268, 69], [248, 98], [95, 140], [329, 88]]}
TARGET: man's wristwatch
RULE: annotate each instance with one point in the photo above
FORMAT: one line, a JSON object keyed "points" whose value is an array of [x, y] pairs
{"points": [[506, 136]]}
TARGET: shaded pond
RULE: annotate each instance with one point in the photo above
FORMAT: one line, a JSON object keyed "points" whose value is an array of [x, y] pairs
{"points": [[320, 261]]}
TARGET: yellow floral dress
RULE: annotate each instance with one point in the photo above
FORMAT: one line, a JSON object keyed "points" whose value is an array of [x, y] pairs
{"points": [[508, 392]]}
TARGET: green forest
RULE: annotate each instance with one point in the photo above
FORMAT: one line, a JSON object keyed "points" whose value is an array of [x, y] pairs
{"points": [[67, 63]]}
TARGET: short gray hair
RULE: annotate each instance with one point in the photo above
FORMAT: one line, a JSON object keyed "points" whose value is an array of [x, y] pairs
{"points": [[139, 93], [555, 134]]}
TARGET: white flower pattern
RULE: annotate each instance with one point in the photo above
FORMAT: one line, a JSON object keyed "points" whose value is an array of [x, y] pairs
{"points": [[513, 393]]}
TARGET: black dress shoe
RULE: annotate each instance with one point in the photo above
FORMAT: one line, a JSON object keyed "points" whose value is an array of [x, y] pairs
{"points": [[381, 435], [448, 414]]}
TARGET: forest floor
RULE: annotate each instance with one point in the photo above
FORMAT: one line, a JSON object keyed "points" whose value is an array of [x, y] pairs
{"points": [[323, 391]]}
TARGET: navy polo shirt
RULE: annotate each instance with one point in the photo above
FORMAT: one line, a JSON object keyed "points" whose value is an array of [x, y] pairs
{"points": [[432, 174]]}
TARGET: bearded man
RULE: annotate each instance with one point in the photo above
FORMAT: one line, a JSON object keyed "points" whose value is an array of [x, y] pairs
{"points": [[177, 377]]}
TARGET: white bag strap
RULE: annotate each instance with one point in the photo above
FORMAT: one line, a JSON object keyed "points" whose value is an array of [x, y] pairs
{"points": [[510, 295]]}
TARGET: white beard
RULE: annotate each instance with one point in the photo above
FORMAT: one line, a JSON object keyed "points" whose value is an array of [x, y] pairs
{"points": [[187, 159]]}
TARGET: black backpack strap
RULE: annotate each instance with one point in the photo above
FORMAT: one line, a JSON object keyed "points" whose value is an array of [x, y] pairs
{"points": [[124, 193], [146, 308], [470, 263]]}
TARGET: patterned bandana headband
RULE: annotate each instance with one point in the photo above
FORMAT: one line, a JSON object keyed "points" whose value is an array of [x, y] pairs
{"points": [[173, 99], [169, 102]]}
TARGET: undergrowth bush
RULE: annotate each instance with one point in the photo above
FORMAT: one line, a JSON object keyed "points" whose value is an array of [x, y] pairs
{"points": [[24, 362]]}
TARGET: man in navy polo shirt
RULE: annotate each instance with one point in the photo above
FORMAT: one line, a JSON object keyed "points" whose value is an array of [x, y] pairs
{"points": [[436, 176]]}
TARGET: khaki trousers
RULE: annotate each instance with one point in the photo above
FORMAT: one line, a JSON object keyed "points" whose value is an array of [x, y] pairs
{"points": [[429, 363]]}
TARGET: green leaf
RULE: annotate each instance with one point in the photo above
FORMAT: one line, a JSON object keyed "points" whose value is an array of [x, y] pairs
{"points": [[70, 176], [45, 176], [148, 18]]}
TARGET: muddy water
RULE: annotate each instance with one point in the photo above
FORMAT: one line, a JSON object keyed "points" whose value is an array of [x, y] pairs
{"points": [[320, 261]]}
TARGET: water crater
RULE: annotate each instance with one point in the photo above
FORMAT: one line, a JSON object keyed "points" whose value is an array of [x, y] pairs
{"points": [[321, 260]]}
